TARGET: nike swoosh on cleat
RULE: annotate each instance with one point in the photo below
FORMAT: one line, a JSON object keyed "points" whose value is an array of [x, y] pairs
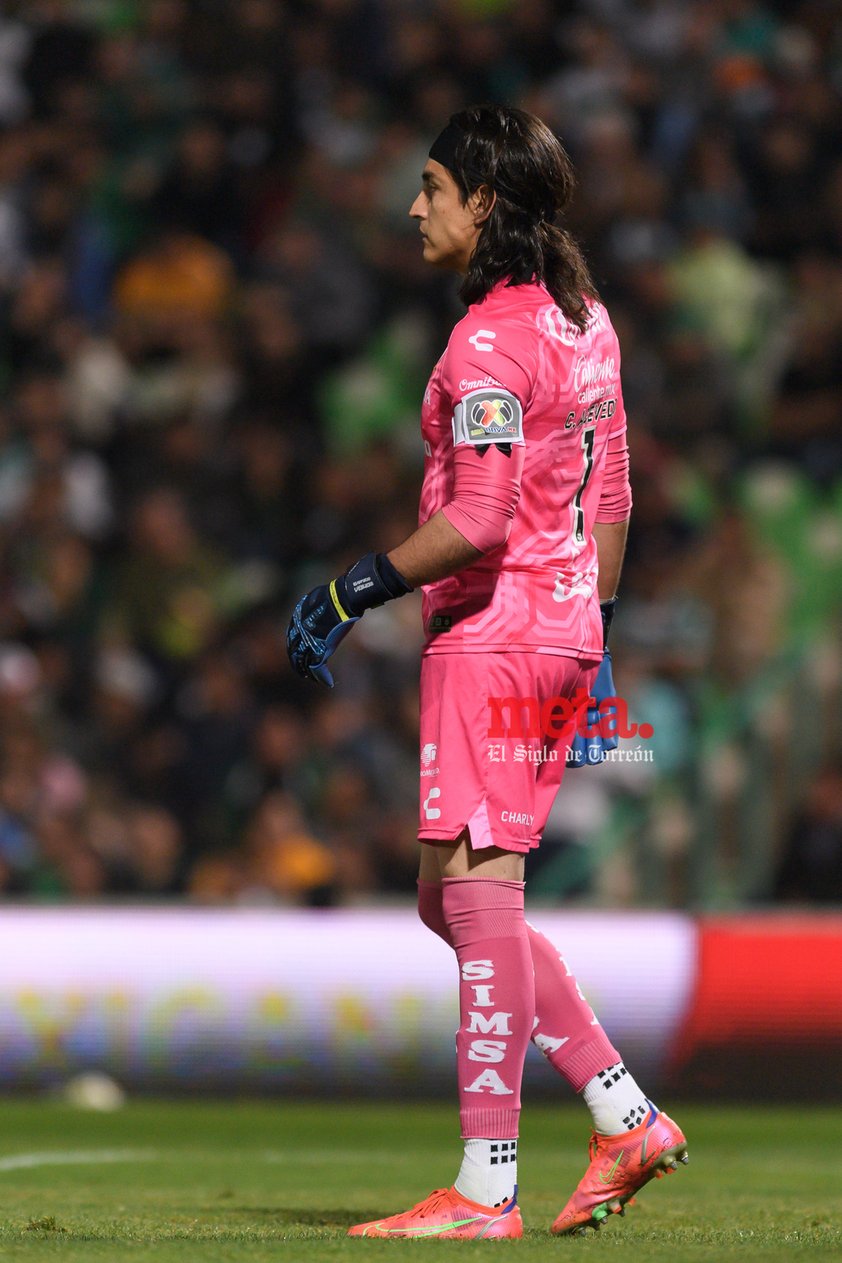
{"points": [[433, 1228], [606, 1179]]}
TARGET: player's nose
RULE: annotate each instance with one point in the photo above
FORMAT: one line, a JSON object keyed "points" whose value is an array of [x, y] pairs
{"points": [[415, 210]]}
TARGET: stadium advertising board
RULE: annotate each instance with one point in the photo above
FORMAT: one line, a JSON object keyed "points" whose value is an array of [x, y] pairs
{"points": [[357, 1001], [362, 1001]]}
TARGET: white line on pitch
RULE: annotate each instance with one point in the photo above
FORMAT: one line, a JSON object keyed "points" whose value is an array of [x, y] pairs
{"points": [[330, 1157], [74, 1157]]}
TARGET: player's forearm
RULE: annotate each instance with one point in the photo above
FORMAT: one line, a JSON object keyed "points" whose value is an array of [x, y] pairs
{"points": [[433, 552], [610, 546]]}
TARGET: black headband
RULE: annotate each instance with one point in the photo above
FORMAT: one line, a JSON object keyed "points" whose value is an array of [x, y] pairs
{"points": [[443, 150]]}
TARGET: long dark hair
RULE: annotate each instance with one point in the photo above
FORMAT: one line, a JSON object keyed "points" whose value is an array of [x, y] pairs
{"points": [[526, 166]]}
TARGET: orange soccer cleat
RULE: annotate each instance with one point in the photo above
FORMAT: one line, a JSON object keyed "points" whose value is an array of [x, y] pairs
{"points": [[446, 1213], [620, 1165]]}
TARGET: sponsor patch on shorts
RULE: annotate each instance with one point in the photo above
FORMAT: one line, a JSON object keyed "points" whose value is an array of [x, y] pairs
{"points": [[488, 416]]}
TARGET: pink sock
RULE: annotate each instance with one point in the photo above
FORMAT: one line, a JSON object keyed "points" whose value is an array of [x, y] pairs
{"points": [[565, 1028], [496, 1001]]}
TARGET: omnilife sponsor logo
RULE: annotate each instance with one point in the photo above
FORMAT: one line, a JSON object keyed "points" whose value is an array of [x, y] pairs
{"points": [[524, 717]]}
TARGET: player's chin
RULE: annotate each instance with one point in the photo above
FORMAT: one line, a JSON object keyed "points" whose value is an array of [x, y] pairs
{"points": [[437, 258]]}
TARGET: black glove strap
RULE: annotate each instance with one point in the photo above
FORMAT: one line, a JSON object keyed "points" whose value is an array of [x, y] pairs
{"points": [[606, 609], [371, 582]]}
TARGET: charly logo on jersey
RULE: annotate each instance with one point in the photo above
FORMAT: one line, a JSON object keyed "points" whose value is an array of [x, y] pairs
{"points": [[480, 339], [431, 812]]}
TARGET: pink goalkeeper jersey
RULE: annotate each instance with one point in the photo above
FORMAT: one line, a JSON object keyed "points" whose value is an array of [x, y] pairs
{"points": [[517, 371]]}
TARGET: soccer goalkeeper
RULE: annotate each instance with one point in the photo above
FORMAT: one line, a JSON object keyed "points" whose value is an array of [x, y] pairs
{"points": [[523, 519]]}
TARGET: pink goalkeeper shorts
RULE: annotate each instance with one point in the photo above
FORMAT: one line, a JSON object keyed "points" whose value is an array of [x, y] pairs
{"points": [[494, 743]]}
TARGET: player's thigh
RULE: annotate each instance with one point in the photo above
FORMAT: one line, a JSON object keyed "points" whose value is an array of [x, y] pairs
{"points": [[429, 868], [492, 863]]}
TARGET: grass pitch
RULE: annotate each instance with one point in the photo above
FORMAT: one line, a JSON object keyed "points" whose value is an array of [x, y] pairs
{"points": [[213, 1182]]}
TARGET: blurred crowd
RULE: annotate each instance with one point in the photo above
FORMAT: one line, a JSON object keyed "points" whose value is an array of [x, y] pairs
{"points": [[215, 330]]}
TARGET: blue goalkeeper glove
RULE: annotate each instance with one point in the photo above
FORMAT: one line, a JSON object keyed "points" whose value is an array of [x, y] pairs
{"points": [[590, 749], [322, 619]]}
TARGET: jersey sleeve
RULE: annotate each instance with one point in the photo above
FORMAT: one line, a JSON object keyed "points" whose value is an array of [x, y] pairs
{"points": [[615, 501], [480, 357], [488, 385], [486, 491]]}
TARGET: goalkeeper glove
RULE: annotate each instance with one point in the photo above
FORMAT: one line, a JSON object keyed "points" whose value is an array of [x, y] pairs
{"points": [[322, 619], [592, 745]]}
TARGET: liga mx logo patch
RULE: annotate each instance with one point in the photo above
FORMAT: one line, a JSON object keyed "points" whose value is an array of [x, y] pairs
{"points": [[494, 417], [488, 416]]}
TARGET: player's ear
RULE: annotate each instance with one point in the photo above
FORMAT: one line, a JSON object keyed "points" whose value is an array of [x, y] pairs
{"points": [[481, 203]]}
